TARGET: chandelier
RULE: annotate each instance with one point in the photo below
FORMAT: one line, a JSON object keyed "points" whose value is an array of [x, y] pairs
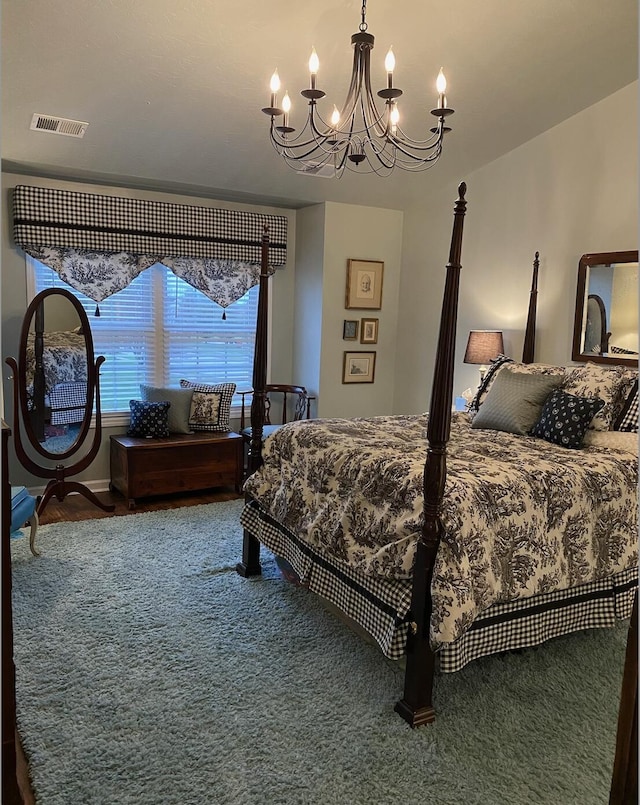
{"points": [[358, 137]]}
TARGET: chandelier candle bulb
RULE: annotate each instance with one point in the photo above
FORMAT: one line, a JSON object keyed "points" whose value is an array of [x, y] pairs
{"points": [[286, 108], [390, 66], [335, 117], [275, 87], [441, 86], [314, 66], [394, 118]]}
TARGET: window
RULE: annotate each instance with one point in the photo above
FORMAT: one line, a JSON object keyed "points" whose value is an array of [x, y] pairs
{"points": [[159, 330]]}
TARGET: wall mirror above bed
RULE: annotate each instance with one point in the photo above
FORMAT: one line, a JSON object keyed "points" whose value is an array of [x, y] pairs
{"points": [[55, 385], [606, 318]]}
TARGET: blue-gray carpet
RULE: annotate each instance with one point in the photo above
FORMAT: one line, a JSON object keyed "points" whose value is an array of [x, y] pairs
{"points": [[149, 672]]}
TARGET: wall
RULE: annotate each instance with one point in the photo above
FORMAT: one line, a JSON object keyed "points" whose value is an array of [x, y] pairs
{"points": [[572, 190], [310, 229], [328, 236], [14, 303]]}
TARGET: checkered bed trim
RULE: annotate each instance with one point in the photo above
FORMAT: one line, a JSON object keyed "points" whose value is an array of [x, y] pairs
{"points": [[628, 419], [373, 603], [381, 607], [43, 216], [67, 402]]}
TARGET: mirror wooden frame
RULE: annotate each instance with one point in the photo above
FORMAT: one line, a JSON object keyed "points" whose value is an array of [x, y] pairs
{"points": [[587, 260], [35, 314], [58, 484]]}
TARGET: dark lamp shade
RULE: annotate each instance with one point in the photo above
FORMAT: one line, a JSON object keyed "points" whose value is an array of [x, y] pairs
{"points": [[483, 346]]}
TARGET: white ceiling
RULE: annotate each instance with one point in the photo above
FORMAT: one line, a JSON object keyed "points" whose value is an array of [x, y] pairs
{"points": [[173, 89]]}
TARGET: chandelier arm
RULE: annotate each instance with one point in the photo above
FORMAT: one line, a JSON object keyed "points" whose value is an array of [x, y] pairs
{"points": [[375, 121], [315, 147], [434, 150], [314, 143], [355, 89], [427, 161], [291, 145], [379, 153], [329, 130], [421, 145]]}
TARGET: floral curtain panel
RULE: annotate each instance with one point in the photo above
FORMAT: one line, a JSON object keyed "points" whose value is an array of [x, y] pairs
{"points": [[98, 244]]}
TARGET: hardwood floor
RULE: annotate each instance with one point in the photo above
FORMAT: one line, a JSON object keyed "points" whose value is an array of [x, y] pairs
{"points": [[77, 507]]}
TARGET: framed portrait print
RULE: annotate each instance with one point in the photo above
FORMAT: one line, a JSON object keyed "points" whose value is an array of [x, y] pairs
{"points": [[359, 367], [364, 285], [350, 330], [369, 331]]}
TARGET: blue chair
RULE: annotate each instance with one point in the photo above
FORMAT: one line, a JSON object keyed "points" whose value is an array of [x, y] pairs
{"points": [[23, 510]]}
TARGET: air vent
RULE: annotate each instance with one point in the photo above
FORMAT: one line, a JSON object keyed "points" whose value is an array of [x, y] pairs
{"points": [[58, 125], [325, 171]]}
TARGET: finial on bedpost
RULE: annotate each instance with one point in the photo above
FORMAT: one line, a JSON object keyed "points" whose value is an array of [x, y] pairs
{"points": [[529, 347]]}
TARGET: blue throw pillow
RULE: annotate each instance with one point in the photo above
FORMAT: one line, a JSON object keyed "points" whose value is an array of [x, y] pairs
{"points": [[149, 419], [565, 418]]}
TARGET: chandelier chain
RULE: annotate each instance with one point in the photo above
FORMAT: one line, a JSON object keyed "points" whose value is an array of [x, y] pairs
{"points": [[363, 24]]}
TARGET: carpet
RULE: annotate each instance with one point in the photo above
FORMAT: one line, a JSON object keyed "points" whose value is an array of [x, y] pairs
{"points": [[149, 672]]}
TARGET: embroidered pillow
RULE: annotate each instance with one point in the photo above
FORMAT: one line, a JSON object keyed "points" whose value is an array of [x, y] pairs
{"points": [[210, 405], [628, 418], [565, 418], [610, 384], [515, 401], [180, 399], [149, 419]]}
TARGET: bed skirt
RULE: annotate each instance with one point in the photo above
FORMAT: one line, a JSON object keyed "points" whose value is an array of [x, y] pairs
{"points": [[381, 606]]}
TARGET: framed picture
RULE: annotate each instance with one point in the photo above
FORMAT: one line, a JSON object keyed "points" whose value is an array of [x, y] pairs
{"points": [[350, 330], [359, 367], [364, 285], [369, 331]]}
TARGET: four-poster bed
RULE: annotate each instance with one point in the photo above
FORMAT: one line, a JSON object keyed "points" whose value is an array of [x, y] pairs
{"points": [[442, 541]]}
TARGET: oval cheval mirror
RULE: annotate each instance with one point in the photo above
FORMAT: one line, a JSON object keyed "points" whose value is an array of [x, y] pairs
{"points": [[55, 384]]}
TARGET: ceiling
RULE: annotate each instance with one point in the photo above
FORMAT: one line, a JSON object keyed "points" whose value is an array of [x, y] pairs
{"points": [[173, 90]]}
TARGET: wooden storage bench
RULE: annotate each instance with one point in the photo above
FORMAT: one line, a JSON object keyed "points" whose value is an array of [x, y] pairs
{"points": [[179, 463]]}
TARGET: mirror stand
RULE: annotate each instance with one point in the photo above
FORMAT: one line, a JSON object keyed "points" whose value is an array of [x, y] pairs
{"points": [[55, 384]]}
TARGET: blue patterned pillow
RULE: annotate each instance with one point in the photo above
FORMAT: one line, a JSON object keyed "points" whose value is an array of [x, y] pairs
{"points": [[565, 418], [149, 419]]}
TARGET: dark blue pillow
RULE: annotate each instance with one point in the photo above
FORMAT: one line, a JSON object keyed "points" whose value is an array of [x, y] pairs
{"points": [[565, 418], [149, 419]]}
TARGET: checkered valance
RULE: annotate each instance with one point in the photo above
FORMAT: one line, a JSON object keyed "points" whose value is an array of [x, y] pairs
{"points": [[46, 217], [99, 244]]}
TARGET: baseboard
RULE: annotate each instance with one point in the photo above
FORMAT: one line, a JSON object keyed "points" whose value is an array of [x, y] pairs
{"points": [[101, 485]]}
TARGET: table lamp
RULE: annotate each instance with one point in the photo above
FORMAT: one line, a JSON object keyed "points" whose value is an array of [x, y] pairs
{"points": [[482, 347]]}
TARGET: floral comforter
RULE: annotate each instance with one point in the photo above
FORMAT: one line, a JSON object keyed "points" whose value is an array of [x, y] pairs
{"points": [[521, 516]]}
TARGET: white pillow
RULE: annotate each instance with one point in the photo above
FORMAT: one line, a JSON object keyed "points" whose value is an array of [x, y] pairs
{"points": [[616, 439]]}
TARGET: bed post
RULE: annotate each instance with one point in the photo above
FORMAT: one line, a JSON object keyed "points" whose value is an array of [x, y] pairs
{"points": [[416, 706], [37, 412], [530, 332], [250, 564]]}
